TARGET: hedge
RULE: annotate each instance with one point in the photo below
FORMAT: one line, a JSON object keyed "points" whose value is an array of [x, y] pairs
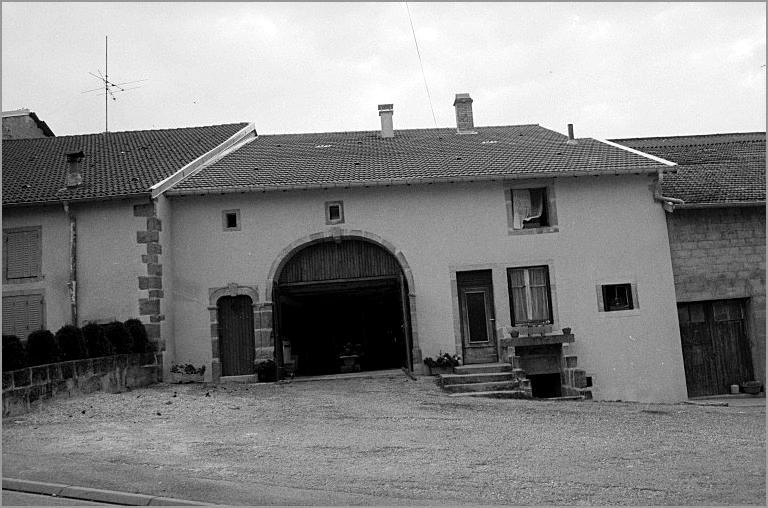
{"points": [[14, 355], [71, 343], [42, 348], [96, 341]]}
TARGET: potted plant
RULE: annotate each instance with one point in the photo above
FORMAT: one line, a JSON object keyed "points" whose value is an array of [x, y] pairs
{"points": [[751, 387], [266, 371], [443, 364], [349, 357], [187, 373], [566, 331]]}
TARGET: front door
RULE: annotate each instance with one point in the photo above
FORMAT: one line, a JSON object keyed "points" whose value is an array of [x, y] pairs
{"points": [[478, 336], [716, 350], [236, 335]]}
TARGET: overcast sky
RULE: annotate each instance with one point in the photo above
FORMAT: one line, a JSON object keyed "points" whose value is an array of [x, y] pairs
{"points": [[613, 70]]}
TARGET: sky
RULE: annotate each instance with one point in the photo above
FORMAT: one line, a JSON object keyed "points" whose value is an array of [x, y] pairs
{"points": [[614, 70]]}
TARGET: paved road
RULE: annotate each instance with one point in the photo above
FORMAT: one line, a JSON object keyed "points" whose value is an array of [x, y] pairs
{"points": [[13, 498]]}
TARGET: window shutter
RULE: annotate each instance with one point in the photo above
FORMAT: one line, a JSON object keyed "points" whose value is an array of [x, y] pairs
{"points": [[34, 316], [8, 322], [22, 315], [22, 255]]}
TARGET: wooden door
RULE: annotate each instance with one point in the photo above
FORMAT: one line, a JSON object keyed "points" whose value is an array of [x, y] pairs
{"points": [[716, 350], [477, 316], [236, 335]]}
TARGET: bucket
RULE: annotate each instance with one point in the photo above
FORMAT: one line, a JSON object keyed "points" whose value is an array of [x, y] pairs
{"points": [[734, 389]]}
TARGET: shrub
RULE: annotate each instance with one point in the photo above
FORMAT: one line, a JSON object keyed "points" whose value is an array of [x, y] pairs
{"points": [[42, 348], [141, 343], [14, 356], [97, 343], [71, 343], [118, 336]]}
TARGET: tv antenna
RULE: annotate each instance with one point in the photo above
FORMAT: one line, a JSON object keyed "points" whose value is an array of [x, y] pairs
{"points": [[109, 89]]}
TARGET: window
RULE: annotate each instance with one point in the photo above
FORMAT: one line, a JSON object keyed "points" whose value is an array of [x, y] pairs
{"points": [[334, 212], [22, 314], [617, 297], [231, 219], [530, 298], [21, 254], [531, 208]]}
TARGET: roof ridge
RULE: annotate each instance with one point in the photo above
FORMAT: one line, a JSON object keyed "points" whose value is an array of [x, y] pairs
{"points": [[648, 138], [129, 132], [417, 129]]}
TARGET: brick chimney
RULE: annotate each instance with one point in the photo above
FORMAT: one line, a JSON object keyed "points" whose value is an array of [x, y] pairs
{"points": [[74, 168], [464, 121], [385, 112]]}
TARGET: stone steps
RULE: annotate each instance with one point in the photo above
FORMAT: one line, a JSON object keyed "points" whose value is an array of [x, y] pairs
{"points": [[498, 380], [483, 368]]}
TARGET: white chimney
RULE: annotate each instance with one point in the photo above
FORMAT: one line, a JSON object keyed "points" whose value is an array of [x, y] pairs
{"points": [[385, 112]]}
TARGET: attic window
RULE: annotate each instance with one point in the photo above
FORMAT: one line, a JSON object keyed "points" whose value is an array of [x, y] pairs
{"points": [[231, 220], [334, 212], [322, 146]]}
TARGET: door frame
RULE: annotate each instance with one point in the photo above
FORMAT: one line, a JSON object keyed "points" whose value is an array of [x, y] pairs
{"points": [[487, 289]]}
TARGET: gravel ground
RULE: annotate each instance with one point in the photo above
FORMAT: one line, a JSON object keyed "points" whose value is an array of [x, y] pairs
{"points": [[390, 441]]}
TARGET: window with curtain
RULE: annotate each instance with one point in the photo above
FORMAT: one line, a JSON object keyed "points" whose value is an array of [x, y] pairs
{"points": [[529, 208], [529, 295]]}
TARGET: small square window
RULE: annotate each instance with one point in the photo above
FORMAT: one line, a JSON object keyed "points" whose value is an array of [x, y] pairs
{"points": [[231, 220], [529, 208], [334, 212], [617, 297]]}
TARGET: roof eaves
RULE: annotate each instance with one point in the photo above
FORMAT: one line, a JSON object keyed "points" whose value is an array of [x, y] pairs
{"points": [[638, 152], [411, 181], [724, 204], [54, 201], [234, 142]]}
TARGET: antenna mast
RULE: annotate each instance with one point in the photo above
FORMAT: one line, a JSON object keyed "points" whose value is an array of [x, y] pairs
{"points": [[109, 87]]}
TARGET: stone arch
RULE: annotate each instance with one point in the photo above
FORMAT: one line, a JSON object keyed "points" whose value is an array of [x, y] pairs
{"points": [[234, 289], [337, 233]]}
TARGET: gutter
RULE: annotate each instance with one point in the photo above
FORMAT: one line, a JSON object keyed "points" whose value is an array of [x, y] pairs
{"points": [[726, 204], [386, 182], [72, 284], [667, 202]]}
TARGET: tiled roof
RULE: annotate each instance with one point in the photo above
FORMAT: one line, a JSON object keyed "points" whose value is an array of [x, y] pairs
{"points": [[713, 169], [115, 164], [413, 156]]}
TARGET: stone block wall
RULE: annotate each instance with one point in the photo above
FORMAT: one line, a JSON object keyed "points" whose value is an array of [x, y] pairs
{"points": [[719, 253], [151, 285], [25, 388]]}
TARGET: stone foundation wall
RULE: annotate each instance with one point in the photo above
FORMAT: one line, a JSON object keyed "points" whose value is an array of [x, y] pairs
{"points": [[25, 388]]}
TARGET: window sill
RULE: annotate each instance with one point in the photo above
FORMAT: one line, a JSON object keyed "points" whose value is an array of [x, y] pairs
{"points": [[533, 231], [620, 313]]}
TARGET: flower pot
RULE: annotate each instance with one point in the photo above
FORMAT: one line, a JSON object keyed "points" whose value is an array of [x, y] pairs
{"points": [[182, 378], [514, 333], [435, 371], [566, 331], [751, 387]]}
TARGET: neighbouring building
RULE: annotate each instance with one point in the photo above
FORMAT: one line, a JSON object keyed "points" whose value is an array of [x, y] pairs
{"points": [[395, 244], [717, 242], [23, 124]]}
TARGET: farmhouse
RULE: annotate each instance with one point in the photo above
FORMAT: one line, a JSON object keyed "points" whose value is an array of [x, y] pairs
{"points": [[395, 245]]}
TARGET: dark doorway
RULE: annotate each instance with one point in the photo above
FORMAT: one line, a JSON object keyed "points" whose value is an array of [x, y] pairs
{"points": [[236, 335], [545, 385], [716, 349], [335, 295]]}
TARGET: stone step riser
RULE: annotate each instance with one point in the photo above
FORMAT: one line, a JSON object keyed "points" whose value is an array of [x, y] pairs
{"points": [[481, 387], [483, 369], [501, 394], [454, 379]]}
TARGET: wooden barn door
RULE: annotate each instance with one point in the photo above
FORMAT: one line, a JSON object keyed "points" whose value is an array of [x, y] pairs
{"points": [[236, 336], [715, 346]]}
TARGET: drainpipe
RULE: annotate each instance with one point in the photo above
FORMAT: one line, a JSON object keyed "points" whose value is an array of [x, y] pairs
{"points": [[667, 202], [72, 284]]}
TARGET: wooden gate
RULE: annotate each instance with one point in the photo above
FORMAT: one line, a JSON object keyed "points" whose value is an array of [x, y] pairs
{"points": [[715, 346], [236, 336]]}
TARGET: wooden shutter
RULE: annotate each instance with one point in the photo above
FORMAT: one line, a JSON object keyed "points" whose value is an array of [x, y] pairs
{"points": [[22, 314], [22, 254]]}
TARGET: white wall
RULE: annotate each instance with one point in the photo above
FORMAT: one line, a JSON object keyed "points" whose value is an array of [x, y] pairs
{"points": [[610, 231]]}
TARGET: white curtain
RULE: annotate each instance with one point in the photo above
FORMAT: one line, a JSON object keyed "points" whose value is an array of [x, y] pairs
{"points": [[526, 205]]}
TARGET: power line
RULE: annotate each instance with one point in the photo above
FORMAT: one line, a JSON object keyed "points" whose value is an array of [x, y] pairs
{"points": [[434, 119]]}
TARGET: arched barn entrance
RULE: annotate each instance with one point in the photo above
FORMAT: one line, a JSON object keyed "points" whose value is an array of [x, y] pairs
{"points": [[341, 305]]}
